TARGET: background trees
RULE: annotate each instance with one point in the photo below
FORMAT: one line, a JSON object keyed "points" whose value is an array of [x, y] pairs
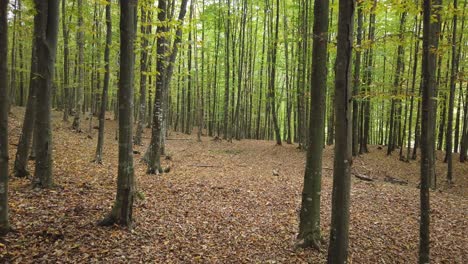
{"points": [[247, 69], [236, 90]]}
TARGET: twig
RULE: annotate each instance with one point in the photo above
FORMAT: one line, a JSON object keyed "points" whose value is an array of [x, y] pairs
{"points": [[204, 166]]}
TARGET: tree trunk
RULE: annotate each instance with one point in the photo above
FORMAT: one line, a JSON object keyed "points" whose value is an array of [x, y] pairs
{"points": [[105, 89], [145, 29], [46, 19], [357, 81], [123, 207], [338, 247], [226, 132], [24, 145], [428, 112], [154, 158], [272, 76], [80, 89], [309, 226], [413, 84], [4, 219], [453, 75]]}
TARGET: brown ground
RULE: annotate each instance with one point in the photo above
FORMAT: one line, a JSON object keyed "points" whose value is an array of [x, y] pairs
{"points": [[221, 203]]}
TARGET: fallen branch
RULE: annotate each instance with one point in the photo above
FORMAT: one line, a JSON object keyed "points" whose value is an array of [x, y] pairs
{"points": [[363, 177], [395, 180], [204, 166], [179, 139]]}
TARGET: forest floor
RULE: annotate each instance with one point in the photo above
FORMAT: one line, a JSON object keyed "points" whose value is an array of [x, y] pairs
{"points": [[221, 203]]}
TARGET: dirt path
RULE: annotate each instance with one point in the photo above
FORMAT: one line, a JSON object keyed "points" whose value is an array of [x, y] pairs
{"points": [[220, 203]]}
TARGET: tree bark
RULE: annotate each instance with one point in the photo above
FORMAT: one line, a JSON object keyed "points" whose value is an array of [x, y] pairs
{"points": [[338, 247], [46, 19], [20, 168], [453, 75], [105, 89], [4, 219], [309, 225], [154, 158], [80, 89], [428, 112], [123, 207], [357, 81], [145, 29]]}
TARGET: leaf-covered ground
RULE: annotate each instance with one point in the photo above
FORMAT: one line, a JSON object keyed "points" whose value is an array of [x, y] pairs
{"points": [[221, 203]]}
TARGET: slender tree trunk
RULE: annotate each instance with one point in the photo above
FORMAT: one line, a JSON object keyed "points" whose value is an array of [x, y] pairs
{"points": [[357, 81], [121, 212], [80, 90], [309, 226], [272, 76], [367, 102], [105, 89], [460, 92], [430, 42], [338, 247], [4, 219], [12, 92], [453, 76], [66, 66], [46, 19], [154, 160], [20, 168], [226, 132], [145, 31], [413, 84]]}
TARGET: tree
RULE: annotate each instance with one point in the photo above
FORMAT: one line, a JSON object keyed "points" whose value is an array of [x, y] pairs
{"points": [[357, 81], [272, 54], [80, 90], [338, 248], [22, 154], [46, 20], [309, 226], [154, 161], [453, 75], [145, 29], [4, 220], [428, 111], [227, 33], [121, 212], [66, 66], [105, 89]]}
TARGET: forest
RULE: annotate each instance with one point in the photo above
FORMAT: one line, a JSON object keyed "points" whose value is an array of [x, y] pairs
{"points": [[233, 131]]}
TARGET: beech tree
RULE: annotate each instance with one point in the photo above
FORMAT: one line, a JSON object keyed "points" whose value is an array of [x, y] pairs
{"points": [[309, 226], [4, 219], [428, 110], [122, 209], [105, 89], [80, 90], [339, 228], [46, 21]]}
